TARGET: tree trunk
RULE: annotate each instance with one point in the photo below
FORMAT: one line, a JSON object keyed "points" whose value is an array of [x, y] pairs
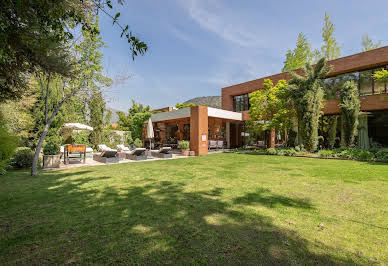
{"points": [[34, 169]]}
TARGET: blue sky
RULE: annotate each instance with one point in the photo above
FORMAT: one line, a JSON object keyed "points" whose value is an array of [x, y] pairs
{"points": [[198, 47]]}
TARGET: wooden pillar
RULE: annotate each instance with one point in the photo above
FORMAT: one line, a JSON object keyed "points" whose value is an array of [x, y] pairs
{"points": [[199, 130], [227, 135]]}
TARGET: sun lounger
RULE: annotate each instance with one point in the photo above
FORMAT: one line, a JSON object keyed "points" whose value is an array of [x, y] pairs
{"points": [[163, 152], [103, 147], [121, 147], [106, 157], [137, 154], [220, 144]]}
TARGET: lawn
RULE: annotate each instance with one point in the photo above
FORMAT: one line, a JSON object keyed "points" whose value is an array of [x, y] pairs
{"points": [[215, 209]]}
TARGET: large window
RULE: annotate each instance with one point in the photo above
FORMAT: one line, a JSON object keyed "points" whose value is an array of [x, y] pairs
{"points": [[364, 79], [241, 103]]}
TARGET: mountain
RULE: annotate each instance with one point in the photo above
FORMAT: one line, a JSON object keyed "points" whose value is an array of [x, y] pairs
{"points": [[210, 101]]}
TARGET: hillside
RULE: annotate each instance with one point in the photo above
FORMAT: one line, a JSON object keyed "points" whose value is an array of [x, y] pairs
{"points": [[211, 101]]}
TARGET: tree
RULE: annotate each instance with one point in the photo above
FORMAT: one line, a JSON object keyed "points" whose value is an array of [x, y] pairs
{"points": [[87, 79], [367, 43], [271, 105], [381, 76], [350, 108], [330, 49], [134, 121], [96, 113], [332, 130], [300, 56], [184, 105], [306, 94], [33, 33]]}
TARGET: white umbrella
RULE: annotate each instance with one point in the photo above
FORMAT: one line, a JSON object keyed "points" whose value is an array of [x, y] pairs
{"points": [[77, 126], [150, 130]]}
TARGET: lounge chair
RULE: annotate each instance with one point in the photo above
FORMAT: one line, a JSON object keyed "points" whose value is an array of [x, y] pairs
{"points": [[103, 147], [121, 147], [137, 154], [163, 152], [106, 157]]}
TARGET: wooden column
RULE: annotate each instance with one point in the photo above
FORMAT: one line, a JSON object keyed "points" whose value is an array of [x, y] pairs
{"points": [[199, 130], [272, 138]]}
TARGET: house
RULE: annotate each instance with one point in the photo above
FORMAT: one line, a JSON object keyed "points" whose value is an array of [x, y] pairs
{"points": [[200, 124]]}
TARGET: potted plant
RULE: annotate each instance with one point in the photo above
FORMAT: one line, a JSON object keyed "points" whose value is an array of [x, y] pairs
{"points": [[184, 147], [51, 158], [138, 143]]}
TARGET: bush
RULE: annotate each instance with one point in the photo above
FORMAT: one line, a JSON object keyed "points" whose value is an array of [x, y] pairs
{"points": [[184, 145], [298, 149], [128, 138], [22, 158], [271, 151], [51, 148], [8, 144], [81, 137], [382, 155], [289, 152], [326, 153], [138, 143], [364, 155]]}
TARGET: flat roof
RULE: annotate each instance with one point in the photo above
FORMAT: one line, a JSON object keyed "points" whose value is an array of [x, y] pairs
{"points": [[185, 113]]}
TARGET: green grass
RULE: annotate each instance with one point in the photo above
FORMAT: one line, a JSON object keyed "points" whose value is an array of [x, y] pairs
{"points": [[215, 209]]}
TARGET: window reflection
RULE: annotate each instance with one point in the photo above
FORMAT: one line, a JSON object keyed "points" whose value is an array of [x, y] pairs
{"points": [[241, 103]]}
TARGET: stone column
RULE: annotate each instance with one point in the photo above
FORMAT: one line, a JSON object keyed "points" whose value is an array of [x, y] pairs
{"points": [[272, 138]]}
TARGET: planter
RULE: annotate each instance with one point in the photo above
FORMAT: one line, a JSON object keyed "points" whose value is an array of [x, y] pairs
{"points": [[51, 161], [185, 152]]}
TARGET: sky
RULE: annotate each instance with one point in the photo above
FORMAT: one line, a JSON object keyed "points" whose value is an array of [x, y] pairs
{"points": [[197, 47]]}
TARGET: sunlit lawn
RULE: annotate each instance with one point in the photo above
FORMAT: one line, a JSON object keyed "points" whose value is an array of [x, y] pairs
{"points": [[216, 209]]}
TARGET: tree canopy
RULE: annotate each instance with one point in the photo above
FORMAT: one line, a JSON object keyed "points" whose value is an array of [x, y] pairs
{"points": [[300, 56]]}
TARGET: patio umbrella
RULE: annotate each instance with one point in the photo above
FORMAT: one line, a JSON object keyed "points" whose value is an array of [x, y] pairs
{"points": [[77, 126], [150, 130]]}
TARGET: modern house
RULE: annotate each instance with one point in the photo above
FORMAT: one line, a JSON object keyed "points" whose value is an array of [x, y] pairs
{"points": [[200, 123]]}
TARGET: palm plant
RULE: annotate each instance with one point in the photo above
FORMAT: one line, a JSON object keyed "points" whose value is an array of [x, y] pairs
{"points": [[306, 94]]}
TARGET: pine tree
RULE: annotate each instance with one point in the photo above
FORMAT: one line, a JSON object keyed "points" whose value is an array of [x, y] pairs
{"points": [[330, 49], [96, 109], [298, 57]]}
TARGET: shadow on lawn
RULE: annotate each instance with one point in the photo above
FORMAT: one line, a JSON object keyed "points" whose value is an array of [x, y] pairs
{"points": [[161, 223]]}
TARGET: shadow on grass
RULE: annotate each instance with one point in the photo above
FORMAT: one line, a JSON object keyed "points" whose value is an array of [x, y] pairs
{"points": [[151, 223]]}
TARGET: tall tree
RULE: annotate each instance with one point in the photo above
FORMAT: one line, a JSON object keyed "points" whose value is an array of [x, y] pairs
{"points": [[86, 80], [32, 34], [96, 113], [350, 109], [330, 49], [306, 94], [300, 56], [367, 43]]}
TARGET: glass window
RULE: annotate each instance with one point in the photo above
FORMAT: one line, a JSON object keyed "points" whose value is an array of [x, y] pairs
{"points": [[378, 87], [366, 82], [241, 103]]}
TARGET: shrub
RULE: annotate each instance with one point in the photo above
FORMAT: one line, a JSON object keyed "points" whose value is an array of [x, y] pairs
{"points": [[364, 155], [184, 145], [138, 143], [326, 153], [128, 138], [289, 152], [81, 137], [382, 155], [51, 148], [8, 144], [22, 158], [271, 151], [297, 148]]}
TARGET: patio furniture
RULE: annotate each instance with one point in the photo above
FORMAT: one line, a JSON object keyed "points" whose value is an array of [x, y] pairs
{"points": [[212, 144], [72, 151], [106, 157], [121, 147], [103, 147], [163, 152], [137, 154], [220, 144]]}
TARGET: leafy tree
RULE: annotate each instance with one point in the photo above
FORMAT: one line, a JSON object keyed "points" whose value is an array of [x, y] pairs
{"points": [[134, 121], [8, 144], [350, 108], [88, 79], [381, 76], [306, 94], [96, 109], [300, 56], [108, 117], [367, 43], [33, 34], [271, 104], [184, 105]]}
